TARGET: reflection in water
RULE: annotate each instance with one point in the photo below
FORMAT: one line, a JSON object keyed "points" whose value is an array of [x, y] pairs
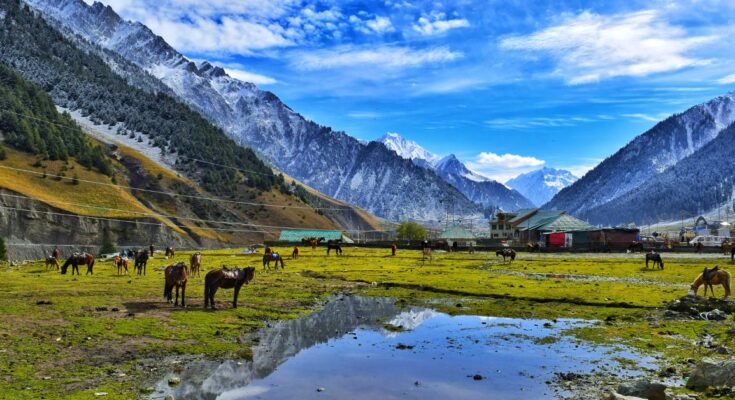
{"points": [[344, 350]]}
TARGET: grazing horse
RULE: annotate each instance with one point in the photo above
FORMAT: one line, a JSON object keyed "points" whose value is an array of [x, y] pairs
{"points": [[75, 260], [176, 276], [656, 259], [227, 279], [267, 258], [141, 261], [506, 253], [120, 263], [170, 252], [334, 245], [196, 263], [710, 277], [52, 262]]}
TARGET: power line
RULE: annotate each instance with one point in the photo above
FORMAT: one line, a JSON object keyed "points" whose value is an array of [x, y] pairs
{"points": [[176, 194], [169, 216]]}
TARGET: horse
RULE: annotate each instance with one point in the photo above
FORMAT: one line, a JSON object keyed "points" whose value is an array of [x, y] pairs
{"points": [[52, 262], [727, 247], [732, 254], [227, 279], [656, 259], [710, 277], [75, 260], [334, 245], [177, 274], [120, 263], [533, 247], [170, 252], [635, 247], [267, 258], [141, 261], [56, 253], [196, 263], [506, 253], [295, 253]]}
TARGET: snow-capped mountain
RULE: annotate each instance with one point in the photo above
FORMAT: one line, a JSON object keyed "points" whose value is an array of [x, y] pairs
{"points": [[541, 185], [478, 188], [410, 150], [649, 154], [368, 175]]}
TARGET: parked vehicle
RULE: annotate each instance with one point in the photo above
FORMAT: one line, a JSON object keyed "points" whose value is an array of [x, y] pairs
{"points": [[709, 240]]}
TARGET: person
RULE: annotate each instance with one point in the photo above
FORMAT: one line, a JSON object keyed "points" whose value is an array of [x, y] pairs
{"points": [[455, 246], [426, 247], [295, 253], [56, 253], [472, 248], [151, 250], [393, 248]]}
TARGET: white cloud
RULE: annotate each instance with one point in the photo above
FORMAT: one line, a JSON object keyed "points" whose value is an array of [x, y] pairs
{"points": [[535, 122], [247, 76], [437, 23], [645, 117], [503, 167], [380, 25], [592, 47], [383, 56], [726, 80]]}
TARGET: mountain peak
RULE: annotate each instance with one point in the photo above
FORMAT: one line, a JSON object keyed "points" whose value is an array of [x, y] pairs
{"points": [[541, 185], [408, 149]]}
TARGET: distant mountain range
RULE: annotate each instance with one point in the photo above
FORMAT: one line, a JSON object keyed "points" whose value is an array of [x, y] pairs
{"points": [[679, 167], [478, 188], [368, 175], [541, 185]]}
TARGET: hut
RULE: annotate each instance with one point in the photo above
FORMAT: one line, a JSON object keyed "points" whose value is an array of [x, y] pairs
{"points": [[296, 236], [461, 236]]}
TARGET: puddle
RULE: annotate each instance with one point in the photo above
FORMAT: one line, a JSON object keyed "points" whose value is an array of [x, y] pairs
{"points": [[344, 352]]}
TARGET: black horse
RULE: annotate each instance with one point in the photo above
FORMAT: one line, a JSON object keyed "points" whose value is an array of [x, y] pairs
{"points": [[141, 260], [227, 279], [656, 259], [506, 253], [732, 254], [334, 245]]}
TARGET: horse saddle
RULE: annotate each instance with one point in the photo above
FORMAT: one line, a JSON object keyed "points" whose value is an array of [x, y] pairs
{"points": [[230, 273], [274, 255], [708, 274]]}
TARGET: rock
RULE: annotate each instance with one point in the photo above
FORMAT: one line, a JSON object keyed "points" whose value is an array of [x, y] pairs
{"points": [[100, 308], [100, 394], [174, 380], [643, 388], [401, 346], [721, 349], [44, 302], [712, 373], [714, 315], [618, 396], [169, 397], [320, 389], [695, 305], [667, 372], [477, 377]]}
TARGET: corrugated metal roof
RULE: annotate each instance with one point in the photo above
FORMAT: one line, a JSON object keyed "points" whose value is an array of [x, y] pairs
{"points": [[297, 235], [554, 221], [457, 232], [523, 213]]}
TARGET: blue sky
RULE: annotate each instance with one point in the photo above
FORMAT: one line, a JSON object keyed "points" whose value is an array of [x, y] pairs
{"points": [[508, 86]]}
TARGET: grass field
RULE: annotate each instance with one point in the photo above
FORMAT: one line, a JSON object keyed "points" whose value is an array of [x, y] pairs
{"points": [[98, 332]]}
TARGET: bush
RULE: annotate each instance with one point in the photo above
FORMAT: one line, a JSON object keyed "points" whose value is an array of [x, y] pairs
{"points": [[107, 246], [3, 155]]}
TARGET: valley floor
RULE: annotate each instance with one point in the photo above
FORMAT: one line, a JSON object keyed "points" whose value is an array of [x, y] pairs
{"points": [[72, 337]]}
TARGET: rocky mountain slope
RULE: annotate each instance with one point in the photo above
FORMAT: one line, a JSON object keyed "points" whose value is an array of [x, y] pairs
{"points": [[480, 189], [332, 162], [541, 185], [649, 154]]}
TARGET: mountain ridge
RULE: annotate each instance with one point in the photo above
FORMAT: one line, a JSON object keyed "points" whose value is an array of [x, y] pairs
{"points": [[541, 185]]}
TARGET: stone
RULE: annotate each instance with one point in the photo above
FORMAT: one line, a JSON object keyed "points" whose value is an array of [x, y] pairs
{"points": [[174, 380], [320, 389], [618, 396], [169, 397], [711, 372], [644, 389]]}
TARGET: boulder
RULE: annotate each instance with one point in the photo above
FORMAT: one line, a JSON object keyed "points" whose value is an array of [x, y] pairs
{"points": [[695, 306], [644, 389], [618, 396], [712, 373]]}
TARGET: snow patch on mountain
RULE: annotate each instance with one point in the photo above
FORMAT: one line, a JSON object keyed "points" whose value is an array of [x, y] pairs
{"points": [[409, 149]]}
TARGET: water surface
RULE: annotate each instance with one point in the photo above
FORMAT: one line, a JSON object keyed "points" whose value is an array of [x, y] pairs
{"points": [[344, 352]]}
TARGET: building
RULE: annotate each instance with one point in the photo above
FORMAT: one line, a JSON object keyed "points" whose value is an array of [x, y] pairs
{"points": [[293, 236], [459, 235], [532, 223]]}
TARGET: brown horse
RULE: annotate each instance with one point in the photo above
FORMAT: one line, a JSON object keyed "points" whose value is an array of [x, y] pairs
{"points": [[52, 262], [227, 279], [176, 276], [170, 252], [506, 253], [196, 263], [120, 263], [710, 277], [268, 257], [75, 260]]}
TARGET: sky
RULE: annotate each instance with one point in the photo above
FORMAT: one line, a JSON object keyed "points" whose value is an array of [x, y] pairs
{"points": [[508, 86]]}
